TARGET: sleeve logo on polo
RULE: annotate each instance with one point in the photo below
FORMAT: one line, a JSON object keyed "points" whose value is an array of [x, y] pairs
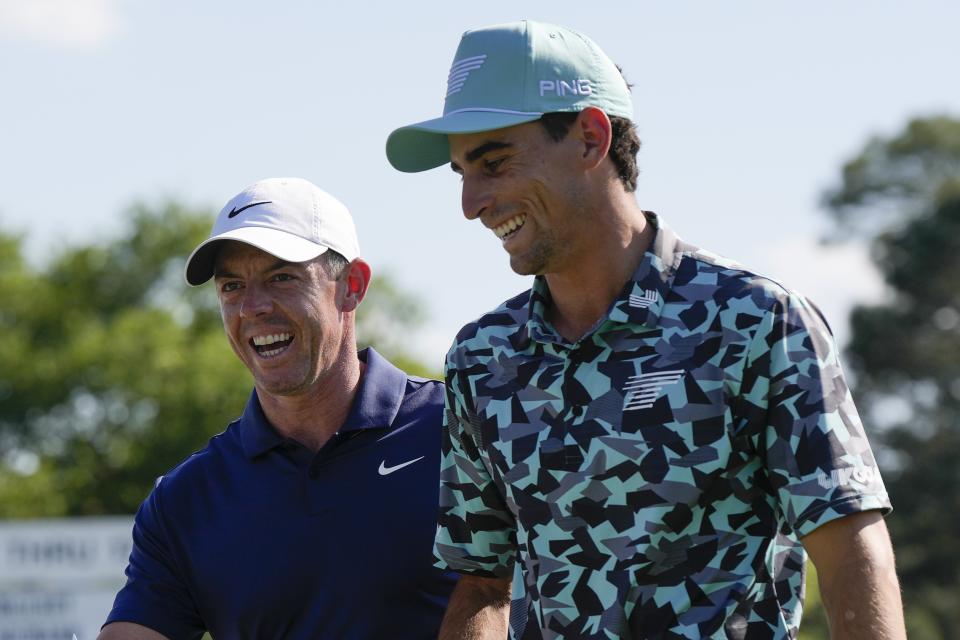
{"points": [[642, 390], [855, 477]]}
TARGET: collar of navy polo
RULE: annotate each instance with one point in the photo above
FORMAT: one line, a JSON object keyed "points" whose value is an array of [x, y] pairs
{"points": [[375, 406]]}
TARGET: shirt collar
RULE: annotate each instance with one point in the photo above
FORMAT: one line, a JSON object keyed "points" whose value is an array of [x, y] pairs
{"points": [[375, 405], [639, 302]]}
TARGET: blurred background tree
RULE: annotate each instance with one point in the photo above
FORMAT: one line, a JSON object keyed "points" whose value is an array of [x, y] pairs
{"points": [[902, 195], [113, 370]]}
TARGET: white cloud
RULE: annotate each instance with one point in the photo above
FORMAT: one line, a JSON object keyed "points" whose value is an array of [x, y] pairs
{"points": [[75, 23]]}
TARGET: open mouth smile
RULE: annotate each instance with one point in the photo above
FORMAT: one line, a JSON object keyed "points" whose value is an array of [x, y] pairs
{"points": [[510, 227], [270, 345]]}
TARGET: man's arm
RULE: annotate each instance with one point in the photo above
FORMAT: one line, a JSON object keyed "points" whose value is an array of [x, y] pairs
{"points": [[129, 631], [479, 609], [858, 580]]}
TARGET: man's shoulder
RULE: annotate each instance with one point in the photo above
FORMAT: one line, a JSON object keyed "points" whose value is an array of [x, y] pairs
{"points": [[728, 282], [220, 451], [492, 328], [420, 402], [422, 394], [745, 299], [422, 384]]}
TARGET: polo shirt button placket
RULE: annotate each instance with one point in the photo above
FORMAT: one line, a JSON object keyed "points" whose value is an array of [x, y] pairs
{"points": [[572, 457], [317, 492]]}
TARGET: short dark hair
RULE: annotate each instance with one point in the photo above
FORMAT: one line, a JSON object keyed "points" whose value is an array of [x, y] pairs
{"points": [[624, 143]]}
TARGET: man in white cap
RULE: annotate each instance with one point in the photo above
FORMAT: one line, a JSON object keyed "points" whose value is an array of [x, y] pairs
{"points": [[646, 443], [312, 516]]}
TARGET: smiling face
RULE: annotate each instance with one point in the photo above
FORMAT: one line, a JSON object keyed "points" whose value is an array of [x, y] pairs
{"points": [[284, 320], [529, 190]]}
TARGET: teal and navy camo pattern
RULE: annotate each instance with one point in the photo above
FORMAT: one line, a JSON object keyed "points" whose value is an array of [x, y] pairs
{"points": [[651, 480]]}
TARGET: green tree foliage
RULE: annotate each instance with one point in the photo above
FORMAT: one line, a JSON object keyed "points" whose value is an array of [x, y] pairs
{"points": [[386, 320], [893, 180], [903, 195], [813, 625], [113, 370]]}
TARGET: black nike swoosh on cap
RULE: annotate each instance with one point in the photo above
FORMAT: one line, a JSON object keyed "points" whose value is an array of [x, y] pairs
{"points": [[235, 211]]}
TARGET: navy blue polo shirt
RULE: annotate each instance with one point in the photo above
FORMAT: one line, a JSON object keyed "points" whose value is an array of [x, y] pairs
{"points": [[255, 536]]}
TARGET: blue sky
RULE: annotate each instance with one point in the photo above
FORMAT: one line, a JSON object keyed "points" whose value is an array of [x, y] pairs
{"points": [[746, 111]]}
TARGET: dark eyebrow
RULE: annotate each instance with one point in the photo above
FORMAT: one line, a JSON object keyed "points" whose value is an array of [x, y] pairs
{"points": [[282, 264], [279, 264], [478, 152]]}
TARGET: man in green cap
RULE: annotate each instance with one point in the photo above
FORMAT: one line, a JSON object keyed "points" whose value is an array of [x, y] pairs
{"points": [[649, 441]]}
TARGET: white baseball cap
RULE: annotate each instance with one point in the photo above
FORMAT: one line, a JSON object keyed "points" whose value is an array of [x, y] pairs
{"points": [[290, 218]]}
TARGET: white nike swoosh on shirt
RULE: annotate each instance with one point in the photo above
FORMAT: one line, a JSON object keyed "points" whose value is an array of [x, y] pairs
{"points": [[384, 470]]}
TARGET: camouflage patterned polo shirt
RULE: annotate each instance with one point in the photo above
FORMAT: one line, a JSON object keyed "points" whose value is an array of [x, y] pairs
{"points": [[652, 479]]}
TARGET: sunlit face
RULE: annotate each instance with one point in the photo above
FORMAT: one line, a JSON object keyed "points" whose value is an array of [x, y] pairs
{"points": [[526, 189], [281, 318]]}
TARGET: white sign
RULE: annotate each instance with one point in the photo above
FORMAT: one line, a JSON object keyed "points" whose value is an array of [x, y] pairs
{"points": [[58, 577]]}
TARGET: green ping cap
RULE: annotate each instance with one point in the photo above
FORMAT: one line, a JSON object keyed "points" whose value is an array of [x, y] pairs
{"points": [[509, 74]]}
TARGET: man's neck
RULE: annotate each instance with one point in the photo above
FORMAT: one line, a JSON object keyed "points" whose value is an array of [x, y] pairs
{"points": [[583, 292], [313, 417]]}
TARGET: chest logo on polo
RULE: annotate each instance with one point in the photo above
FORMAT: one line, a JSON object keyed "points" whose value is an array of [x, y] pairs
{"points": [[642, 390], [384, 470], [649, 297], [460, 71]]}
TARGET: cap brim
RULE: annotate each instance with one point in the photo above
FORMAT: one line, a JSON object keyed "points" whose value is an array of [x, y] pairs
{"points": [[424, 145], [278, 243]]}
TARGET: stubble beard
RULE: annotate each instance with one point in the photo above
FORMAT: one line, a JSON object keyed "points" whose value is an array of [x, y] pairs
{"points": [[295, 378], [536, 260], [286, 385]]}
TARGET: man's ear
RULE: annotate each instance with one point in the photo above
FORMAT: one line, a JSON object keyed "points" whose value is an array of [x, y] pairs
{"points": [[354, 281], [595, 133]]}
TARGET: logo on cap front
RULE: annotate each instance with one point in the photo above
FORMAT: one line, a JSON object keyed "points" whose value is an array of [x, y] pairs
{"points": [[236, 211], [460, 72], [559, 87]]}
